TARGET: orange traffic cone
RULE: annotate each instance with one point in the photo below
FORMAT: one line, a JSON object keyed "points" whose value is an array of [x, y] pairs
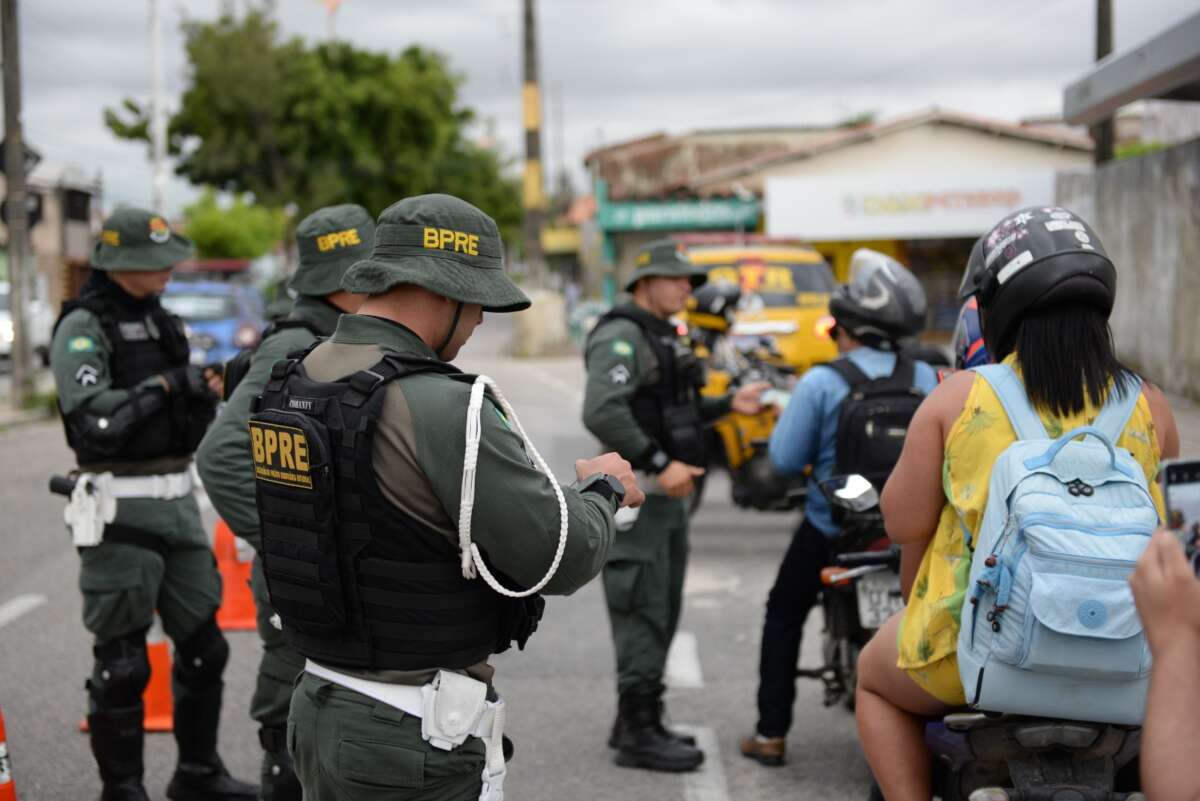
{"points": [[159, 706], [237, 612], [8, 790]]}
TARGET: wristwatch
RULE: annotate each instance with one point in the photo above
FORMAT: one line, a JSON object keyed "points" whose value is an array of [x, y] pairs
{"points": [[604, 484]]}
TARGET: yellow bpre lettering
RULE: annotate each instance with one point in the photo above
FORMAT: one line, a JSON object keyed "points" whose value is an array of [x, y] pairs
{"points": [[352, 237], [473, 244], [460, 242], [300, 446], [430, 238], [272, 443], [447, 237], [285, 451], [256, 441]]}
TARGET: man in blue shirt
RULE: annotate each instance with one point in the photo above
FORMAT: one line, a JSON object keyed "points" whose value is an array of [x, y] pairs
{"points": [[882, 303]]}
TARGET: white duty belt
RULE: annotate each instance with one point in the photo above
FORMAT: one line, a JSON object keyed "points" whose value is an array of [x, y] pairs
{"points": [[93, 502], [451, 708], [166, 486]]}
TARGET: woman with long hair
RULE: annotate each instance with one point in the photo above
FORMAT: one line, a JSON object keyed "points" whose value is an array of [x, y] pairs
{"points": [[1045, 294]]}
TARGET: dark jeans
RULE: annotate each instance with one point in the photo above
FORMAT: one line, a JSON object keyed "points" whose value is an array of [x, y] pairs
{"points": [[795, 592]]}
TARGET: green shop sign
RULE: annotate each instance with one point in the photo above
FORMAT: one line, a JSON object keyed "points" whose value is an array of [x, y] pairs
{"points": [[675, 215]]}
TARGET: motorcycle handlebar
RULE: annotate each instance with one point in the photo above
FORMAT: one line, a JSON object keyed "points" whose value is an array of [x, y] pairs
{"points": [[62, 485], [863, 558]]}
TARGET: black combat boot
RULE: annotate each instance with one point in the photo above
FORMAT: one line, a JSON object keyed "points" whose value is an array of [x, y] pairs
{"points": [[279, 781], [619, 726], [116, 737], [200, 774], [644, 743]]}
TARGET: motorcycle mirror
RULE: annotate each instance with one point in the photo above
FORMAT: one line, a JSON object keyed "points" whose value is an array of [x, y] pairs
{"points": [[853, 492]]}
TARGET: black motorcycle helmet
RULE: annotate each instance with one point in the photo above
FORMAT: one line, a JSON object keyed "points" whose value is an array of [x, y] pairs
{"points": [[883, 302], [1035, 258], [718, 298]]}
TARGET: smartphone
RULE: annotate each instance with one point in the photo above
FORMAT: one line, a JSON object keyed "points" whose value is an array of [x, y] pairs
{"points": [[1181, 486]]}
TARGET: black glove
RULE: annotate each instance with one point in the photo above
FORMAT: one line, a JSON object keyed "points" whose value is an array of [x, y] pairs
{"points": [[187, 380]]}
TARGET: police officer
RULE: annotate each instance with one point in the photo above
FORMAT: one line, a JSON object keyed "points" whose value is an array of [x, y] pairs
{"points": [[134, 411], [329, 241], [365, 497], [643, 402]]}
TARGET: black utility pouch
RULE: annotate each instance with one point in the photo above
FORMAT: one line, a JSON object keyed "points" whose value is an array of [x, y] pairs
{"points": [[297, 510]]}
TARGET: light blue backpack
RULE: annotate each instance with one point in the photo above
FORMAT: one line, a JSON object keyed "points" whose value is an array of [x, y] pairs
{"points": [[1049, 627]]}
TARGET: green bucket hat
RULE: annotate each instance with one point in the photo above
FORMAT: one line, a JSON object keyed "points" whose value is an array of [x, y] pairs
{"points": [[330, 241], [663, 258], [136, 239], [443, 244]]}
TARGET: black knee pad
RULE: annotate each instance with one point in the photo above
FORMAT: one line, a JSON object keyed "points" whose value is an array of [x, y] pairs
{"points": [[200, 659], [120, 672]]}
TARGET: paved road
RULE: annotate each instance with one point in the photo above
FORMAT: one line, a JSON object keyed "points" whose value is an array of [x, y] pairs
{"points": [[559, 689]]}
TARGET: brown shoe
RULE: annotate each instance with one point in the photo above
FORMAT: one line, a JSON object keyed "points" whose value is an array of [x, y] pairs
{"points": [[765, 750]]}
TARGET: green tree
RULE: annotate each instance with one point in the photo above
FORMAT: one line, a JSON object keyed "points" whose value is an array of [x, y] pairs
{"points": [[313, 125], [240, 230]]}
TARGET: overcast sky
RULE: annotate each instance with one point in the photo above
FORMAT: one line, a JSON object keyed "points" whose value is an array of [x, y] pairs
{"points": [[622, 68]]}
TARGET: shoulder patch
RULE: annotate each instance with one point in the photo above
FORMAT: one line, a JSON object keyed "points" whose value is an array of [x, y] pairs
{"points": [[81, 345], [622, 348]]}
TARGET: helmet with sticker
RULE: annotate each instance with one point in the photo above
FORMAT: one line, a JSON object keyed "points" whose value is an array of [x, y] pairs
{"points": [[1034, 258]]}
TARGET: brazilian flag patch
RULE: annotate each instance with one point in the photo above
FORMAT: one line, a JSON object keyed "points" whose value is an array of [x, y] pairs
{"points": [[622, 348], [81, 345]]}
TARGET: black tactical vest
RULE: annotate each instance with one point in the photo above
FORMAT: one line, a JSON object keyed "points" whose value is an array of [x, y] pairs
{"points": [[358, 583], [146, 340], [667, 411]]}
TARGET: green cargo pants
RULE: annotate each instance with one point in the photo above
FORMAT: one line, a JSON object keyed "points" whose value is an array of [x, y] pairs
{"points": [[643, 585], [348, 747], [123, 585], [279, 666]]}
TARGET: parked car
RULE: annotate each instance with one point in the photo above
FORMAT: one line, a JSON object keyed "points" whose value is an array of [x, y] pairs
{"points": [[40, 319], [785, 290], [222, 317]]}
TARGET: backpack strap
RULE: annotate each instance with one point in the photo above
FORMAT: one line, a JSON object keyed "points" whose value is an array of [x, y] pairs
{"points": [[1118, 408], [849, 371], [1011, 392]]}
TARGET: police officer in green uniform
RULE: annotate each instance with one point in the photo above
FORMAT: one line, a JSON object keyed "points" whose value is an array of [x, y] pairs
{"points": [[329, 240], [643, 401], [134, 411], [384, 530]]}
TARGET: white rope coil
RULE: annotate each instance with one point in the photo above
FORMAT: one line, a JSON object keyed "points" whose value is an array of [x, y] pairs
{"points": [[472, 562]]}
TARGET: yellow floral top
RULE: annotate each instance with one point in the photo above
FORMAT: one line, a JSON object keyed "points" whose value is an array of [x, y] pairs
{"points": [[929, 630]]}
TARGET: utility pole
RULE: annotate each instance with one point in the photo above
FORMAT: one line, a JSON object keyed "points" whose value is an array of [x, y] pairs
{"points": [[1103, 131], [331, 10], [534, 199], [18, 219], [158, 114]]}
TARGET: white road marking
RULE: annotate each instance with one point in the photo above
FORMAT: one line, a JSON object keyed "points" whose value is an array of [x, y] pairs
{"points": [[707, 783], [683, 663], [11, 610]]}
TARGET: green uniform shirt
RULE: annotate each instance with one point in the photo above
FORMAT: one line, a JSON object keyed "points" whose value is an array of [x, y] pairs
{"points": [[223, 458], [419, 445], [620, 360], [80, 355]]}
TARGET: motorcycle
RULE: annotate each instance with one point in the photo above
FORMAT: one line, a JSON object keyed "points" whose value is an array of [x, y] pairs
{"points": [[861, 589], [981, 755], [738, 442]]}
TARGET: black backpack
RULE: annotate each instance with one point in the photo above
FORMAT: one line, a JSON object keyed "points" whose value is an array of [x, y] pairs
{"points": [[874, 419], [236, 368]]}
